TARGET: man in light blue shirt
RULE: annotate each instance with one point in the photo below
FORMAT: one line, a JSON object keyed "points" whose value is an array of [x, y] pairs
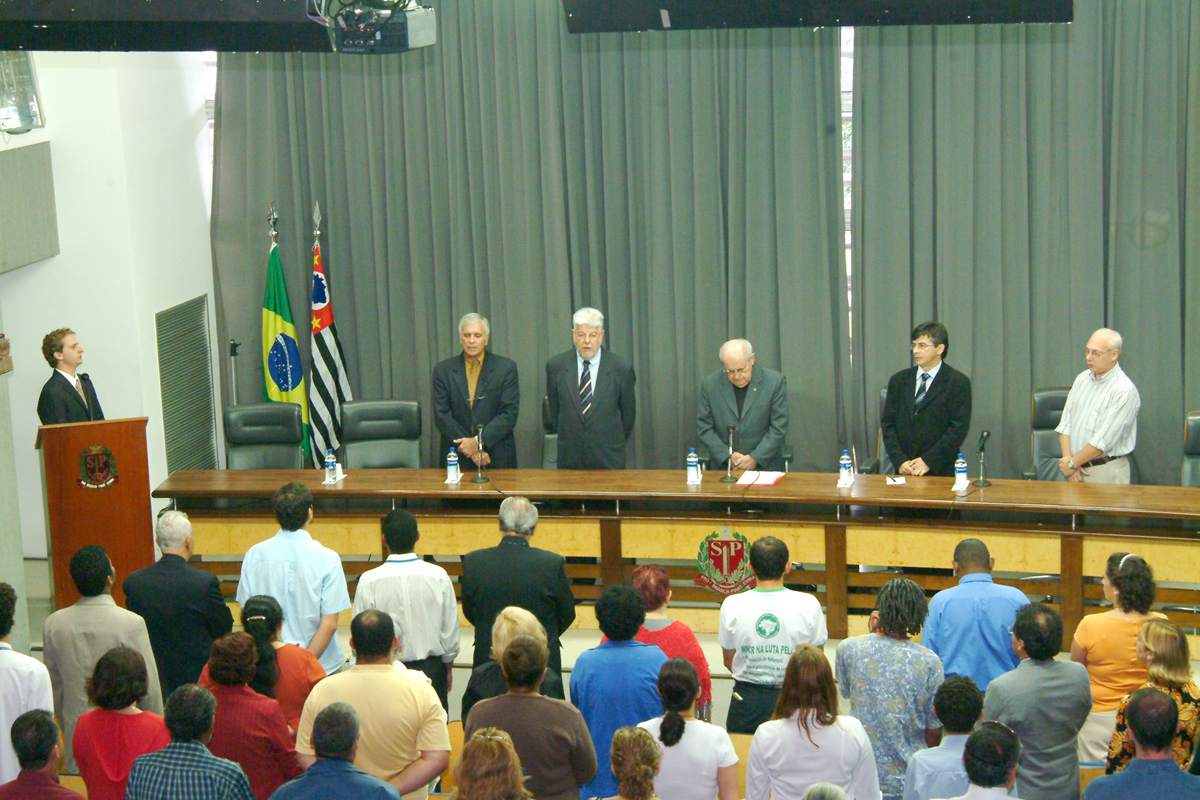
{"points": [[939, 771], [970, 625], [303, 576]]}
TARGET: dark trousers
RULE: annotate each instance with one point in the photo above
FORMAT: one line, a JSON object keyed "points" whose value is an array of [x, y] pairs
{"points": [[751, 705], [435, 668]]}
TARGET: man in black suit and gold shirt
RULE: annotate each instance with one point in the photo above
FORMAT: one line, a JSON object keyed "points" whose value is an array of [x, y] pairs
{"points": [[928, 408], [68, 396], [514, 574], [477, 388], [590, 393]]}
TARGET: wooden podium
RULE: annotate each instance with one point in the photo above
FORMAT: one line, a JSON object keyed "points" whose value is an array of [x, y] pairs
{"points": [[97, 488]]}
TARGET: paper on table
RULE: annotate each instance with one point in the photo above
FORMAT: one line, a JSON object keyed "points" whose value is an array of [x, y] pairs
{"points": [[895, 481], [760, 478]]}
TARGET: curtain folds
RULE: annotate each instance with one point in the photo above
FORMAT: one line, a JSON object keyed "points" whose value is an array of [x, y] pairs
{"points": [[687, 184]]}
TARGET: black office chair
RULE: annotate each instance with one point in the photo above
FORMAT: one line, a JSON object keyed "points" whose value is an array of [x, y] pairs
{"points": [[1046, 412], [550, 439], [263, 436], [381, 434], [1190, 475], [881, 464]]}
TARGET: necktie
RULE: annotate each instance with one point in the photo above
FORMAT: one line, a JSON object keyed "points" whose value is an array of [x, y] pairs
{"points": [[82, 396], [585, 388], [921, 391]]}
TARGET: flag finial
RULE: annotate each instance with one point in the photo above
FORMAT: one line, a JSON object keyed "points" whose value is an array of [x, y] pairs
{"points": [[316, 219], [273, 222]]}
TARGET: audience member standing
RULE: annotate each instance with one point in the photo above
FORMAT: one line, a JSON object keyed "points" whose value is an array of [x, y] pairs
{"points": [[672, 636], [24, 684], [488, 680], [698, 759], [1163, 647], [891, 681], [109, 737], [1107, 645], [38, 743], [183, 606], [333, 774], [990, 757], [249, 728], [185, 768], [403, 738], [550, 735], [939, 771], [420, 599], [286, 672], [615, 684], [305, 577], [1153, 774], [807, 742], [1046, 702], [515, 574], [759, 630], [74, 638], [969, 625], [489, 769]]}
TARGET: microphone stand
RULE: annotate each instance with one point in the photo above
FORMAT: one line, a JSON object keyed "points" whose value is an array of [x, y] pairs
{"points": [[479, 476], [983, 481], [728, 477]]}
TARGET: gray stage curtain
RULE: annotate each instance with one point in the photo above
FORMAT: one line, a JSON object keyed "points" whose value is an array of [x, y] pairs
{"points": [[687, 184], [1026, 185]]}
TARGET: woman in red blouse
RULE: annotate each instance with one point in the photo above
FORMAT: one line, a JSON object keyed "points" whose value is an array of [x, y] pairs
{"points": [[109, 737], [674, 638], [249, 728]]}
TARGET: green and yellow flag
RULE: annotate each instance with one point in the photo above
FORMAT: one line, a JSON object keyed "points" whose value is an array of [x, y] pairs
{"points": [[283, 373]]}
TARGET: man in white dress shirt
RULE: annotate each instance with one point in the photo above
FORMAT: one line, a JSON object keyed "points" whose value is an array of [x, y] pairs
{"points": [[419, 598], [1098, 429], [938, 771], [990, 757], [24, 685]]}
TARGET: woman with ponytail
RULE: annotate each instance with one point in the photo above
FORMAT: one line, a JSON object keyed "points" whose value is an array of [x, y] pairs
{"points": [[698, 759], [286, 672], [635, 760], [807, 742]]}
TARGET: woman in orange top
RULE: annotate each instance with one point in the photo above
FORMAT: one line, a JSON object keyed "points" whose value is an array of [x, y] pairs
{"points": [[1107, 645]]}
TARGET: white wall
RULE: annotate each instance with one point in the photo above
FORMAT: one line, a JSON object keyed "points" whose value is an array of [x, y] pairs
{"points": [[132, 174]]}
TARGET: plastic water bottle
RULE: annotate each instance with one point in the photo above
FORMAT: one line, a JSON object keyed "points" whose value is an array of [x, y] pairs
{"points": [[693, 466], [330, 467], [452, 473], [960, 472], [845, 469]]}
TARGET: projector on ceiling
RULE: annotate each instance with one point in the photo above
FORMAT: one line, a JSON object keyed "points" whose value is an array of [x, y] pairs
{"points": [[373, 28]]}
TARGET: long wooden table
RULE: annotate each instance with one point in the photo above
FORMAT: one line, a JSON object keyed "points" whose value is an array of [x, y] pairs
{"points": [[1048, 538]]}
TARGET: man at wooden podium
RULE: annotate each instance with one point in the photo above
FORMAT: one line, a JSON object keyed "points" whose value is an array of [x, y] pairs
{"points": [[69, 395]]}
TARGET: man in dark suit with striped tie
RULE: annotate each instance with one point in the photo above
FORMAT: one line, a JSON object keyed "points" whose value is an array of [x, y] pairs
{"points": [[928, 407], [68, 396], [590, 392]]}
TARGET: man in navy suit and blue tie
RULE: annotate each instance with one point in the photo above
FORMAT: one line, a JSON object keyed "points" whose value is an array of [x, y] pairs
{"points": [[928, 408], [68, 396], [590, 392]]}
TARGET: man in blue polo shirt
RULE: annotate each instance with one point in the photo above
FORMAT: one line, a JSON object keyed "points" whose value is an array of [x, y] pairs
{"points": [[970, 625], [305, 577], [333, 774]]}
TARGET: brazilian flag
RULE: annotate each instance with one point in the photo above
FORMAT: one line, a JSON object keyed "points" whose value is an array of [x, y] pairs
{"points": [[283, 374]]}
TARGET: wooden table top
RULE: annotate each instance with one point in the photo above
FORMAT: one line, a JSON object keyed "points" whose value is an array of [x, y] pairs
{"points": [[1161, 502]]}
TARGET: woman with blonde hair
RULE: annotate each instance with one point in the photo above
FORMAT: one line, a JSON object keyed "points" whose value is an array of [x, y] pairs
{"points": [[489, 768], [1107, 645], [1163, 647], [487, 680], [635, 762], [806, 741]]}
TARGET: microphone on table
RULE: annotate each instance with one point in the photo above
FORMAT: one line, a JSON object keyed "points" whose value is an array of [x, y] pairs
{"points": [[983, 481], [479, 476], [728, 477]]}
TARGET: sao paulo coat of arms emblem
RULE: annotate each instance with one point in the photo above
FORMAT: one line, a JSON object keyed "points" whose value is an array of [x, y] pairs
{"points": [[724, 562]]}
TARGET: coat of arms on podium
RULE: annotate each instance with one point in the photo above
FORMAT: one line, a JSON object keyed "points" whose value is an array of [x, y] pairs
{"points": [[724, 562], [97, 468]]}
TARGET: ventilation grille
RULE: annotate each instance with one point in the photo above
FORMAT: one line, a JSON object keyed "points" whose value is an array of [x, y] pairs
{"points": [[185, 380]]}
